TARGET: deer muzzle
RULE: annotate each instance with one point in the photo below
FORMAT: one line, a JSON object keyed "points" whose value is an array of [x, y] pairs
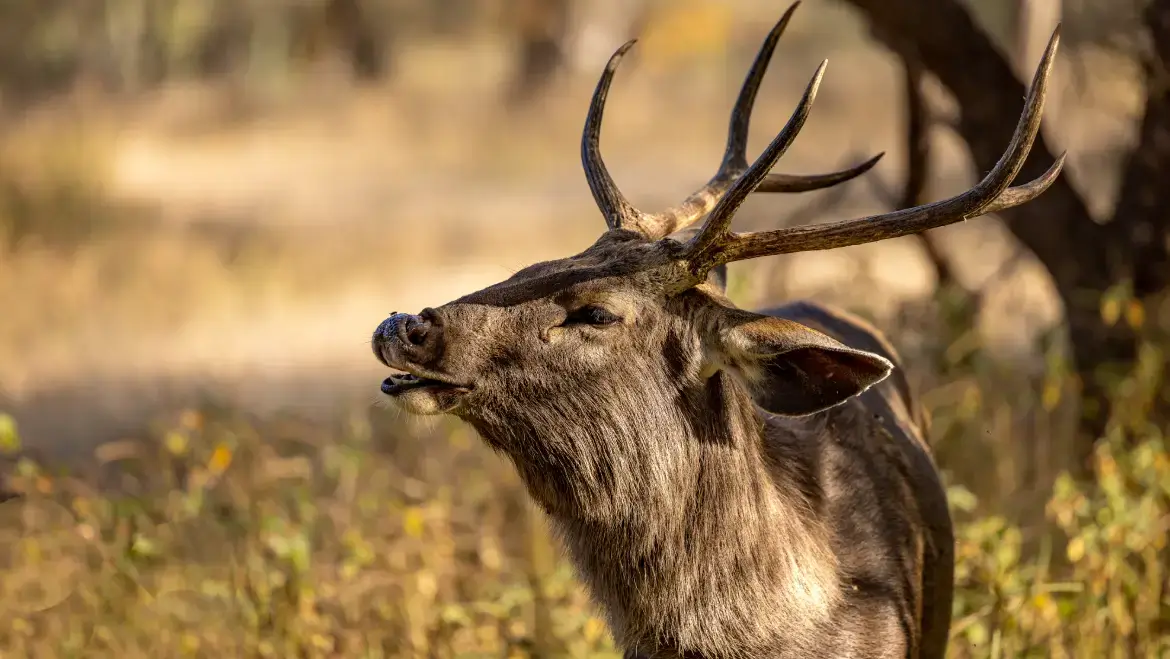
{"points": [[404, 339], [414, 344]]}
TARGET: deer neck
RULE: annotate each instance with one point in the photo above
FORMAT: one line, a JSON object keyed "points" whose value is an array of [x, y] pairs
{"points": [[685, 527]]}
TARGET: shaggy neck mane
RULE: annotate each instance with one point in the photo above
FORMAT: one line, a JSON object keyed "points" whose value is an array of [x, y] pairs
{"points": [[691, 531]]}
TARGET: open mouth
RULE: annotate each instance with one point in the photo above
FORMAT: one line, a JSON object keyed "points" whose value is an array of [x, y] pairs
{"points": [[400, 383]]}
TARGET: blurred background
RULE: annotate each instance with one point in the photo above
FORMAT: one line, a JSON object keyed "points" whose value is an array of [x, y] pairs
{"points": [[206, 206]]}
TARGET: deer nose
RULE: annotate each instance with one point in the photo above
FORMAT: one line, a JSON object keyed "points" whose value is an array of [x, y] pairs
{"points": [[407, 336]]}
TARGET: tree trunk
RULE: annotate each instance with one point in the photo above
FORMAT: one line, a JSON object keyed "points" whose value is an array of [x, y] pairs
{"points": [[1141, 219], [1084, 259]]}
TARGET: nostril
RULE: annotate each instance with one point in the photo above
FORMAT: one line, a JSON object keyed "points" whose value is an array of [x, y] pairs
{"points": [[416, 331], [413, 333]]}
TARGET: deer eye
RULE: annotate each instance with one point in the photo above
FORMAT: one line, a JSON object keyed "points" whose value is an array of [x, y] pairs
{"points": [[592, 315]]}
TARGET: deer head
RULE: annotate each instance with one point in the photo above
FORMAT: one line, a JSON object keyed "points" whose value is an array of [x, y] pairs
{"points": [[602, 374]]}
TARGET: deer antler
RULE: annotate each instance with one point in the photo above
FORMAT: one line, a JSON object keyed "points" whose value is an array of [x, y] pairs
{"points": [[715, 244], [620, 213]]}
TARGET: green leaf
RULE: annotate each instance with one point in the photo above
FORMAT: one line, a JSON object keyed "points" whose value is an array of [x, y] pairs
{"points": [[9, 439]]}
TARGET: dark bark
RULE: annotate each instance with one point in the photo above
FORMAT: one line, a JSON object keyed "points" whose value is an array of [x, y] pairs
{"points": [[918, 163], [917, 135], [1141, 219], [1084, 258], [917, 144]]}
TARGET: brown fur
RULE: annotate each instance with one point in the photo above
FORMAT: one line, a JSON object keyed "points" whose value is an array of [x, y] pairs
{"points": [[728, 484]]}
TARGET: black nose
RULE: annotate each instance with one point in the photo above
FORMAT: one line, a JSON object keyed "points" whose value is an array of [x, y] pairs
{"points": [[407, 336]]}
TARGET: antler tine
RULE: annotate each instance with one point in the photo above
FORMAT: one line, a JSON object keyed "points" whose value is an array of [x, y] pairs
{"points": [[735, 154], [735, 160], [992, 194], [618, 212], [1022, 194], [807, 183], [707, 242]]}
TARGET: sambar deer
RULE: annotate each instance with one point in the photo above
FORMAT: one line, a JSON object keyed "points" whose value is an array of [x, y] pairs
{"points": [[727, 483]]}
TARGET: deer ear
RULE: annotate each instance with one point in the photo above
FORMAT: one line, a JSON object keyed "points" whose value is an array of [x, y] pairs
{"points": [[792, 369]]}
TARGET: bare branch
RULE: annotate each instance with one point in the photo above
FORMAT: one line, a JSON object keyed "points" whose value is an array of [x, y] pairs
{"points": [[918, 121]]}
